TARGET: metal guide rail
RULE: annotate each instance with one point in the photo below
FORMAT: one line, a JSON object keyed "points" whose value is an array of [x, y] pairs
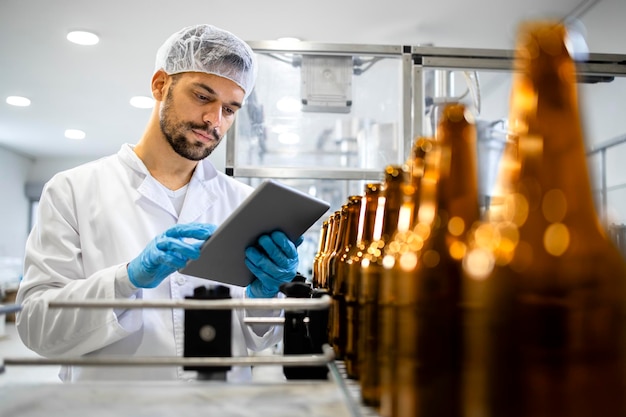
{"points": [[341, 399], [287, 304]]}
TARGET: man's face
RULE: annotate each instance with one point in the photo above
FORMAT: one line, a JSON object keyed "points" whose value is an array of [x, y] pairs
{"points": [[197, 111]]}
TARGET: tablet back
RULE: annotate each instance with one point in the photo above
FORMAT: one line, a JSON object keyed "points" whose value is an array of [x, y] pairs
{"points": [[271, 206]]}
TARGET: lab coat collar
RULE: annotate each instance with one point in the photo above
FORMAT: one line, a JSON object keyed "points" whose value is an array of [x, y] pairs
{"points": [[199, 196]]}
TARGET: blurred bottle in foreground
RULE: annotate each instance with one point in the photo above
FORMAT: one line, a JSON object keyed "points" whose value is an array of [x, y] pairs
{"points": [[553, 330]]}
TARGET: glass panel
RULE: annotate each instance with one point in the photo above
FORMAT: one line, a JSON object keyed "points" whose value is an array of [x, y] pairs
{"points": [[352, 117], [616, 183], [486, 96], [335, 192]]}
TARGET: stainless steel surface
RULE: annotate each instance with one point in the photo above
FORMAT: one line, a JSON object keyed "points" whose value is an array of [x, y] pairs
{"points": [[466, 63], [596, 64], [462, 52], [407, 103], [277, 321], [419, 105], [351, 402], [167, 399], [318, 173], [247, 303], [327, 356], [325, 48], [8, 309], [608, 144]]}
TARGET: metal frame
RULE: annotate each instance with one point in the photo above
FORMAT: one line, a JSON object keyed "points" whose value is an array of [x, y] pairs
{"points": [[415, 59], [604, 189], [195, 304], [503, 60], [491, 59], [310, 48]]}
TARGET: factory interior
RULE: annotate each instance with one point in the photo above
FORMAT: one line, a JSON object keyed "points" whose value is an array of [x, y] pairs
{"points": [[351, 99]]}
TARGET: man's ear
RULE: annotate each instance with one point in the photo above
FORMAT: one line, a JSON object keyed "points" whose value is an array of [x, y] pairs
{"points": [[159, 81]]}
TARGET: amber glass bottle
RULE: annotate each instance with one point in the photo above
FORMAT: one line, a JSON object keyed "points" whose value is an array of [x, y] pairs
{"points": [[353, 279], [319, 255], [370, 269], [342, 225], [325, 284], [338, 318], [329, 244], [424, 278], [555, 305]]}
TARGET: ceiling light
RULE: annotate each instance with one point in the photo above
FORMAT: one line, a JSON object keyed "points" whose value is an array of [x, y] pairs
{"points": [[82, 37], [18, 101], [142, 102], [74, 134]]}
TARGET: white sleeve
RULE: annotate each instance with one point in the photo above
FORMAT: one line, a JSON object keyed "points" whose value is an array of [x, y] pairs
{"points": [[53, 270]]}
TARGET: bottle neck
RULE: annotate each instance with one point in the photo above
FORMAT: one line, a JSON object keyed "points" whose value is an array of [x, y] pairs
{"points": [[450, 186], [369, 209], [550, 143], [393, 201], [350, 236]]}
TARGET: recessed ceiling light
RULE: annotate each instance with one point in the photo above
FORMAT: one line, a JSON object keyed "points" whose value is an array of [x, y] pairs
{"points": [[82, 37], [142, 102], [18, 101], [74, 134]]}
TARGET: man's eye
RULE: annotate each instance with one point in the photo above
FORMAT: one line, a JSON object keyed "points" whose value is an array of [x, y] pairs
{"points": [[228, 110]]}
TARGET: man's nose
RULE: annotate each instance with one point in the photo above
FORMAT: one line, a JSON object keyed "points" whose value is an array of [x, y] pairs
{"points": [[213, 115]]}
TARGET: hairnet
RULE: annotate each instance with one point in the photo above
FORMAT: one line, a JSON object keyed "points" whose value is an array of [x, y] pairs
{"points": [[208, 49]]}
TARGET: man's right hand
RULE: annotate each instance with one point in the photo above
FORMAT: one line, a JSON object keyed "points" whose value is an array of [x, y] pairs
{"points": [[167, 253]]}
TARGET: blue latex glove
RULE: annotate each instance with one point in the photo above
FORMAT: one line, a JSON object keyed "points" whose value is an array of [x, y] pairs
{"points": [[273, 262], [167, 253]]}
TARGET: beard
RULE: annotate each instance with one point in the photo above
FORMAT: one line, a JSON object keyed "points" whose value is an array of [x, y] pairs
{"points": [[174, 131]]}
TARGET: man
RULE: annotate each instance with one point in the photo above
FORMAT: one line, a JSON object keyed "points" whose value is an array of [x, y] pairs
{"points": [[95, 237]]}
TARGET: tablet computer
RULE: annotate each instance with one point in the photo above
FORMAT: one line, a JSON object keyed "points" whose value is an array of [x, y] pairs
{"points": [[271, 206]]}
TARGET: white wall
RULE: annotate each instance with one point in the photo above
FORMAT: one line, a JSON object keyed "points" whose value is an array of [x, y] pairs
{"points": [[15, 207], [44, 168]]}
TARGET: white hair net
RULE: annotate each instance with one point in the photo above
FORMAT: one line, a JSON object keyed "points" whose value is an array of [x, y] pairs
{"points": [[208, 49]]}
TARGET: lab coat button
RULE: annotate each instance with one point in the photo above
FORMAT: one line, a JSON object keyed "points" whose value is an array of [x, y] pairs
{"points": [[181, 280]]}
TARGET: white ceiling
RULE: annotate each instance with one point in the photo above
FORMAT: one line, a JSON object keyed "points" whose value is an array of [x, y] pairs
{"points": [[88, 88]]}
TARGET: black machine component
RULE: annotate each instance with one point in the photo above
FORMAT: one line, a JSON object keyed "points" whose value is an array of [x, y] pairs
{"points": [[305, 331], [208, 333]]}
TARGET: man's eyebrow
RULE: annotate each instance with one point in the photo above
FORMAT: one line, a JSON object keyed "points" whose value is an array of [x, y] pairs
{"points": [[211, 91]]}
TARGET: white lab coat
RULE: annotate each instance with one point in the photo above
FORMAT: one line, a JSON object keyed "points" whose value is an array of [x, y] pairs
{"points": [[93, 220]]}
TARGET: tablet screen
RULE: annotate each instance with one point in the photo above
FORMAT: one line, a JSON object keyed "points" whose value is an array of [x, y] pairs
{"points": [[271, 206]]}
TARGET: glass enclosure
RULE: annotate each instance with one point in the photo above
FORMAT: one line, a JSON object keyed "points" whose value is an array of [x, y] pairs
{"points": [[327, 118], [323, 111]]}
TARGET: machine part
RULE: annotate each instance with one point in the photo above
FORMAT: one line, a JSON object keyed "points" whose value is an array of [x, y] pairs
{"points": [[326, 83], [8, 309], [247, 303], [304, 332], [208, 333], [274, 321]]}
